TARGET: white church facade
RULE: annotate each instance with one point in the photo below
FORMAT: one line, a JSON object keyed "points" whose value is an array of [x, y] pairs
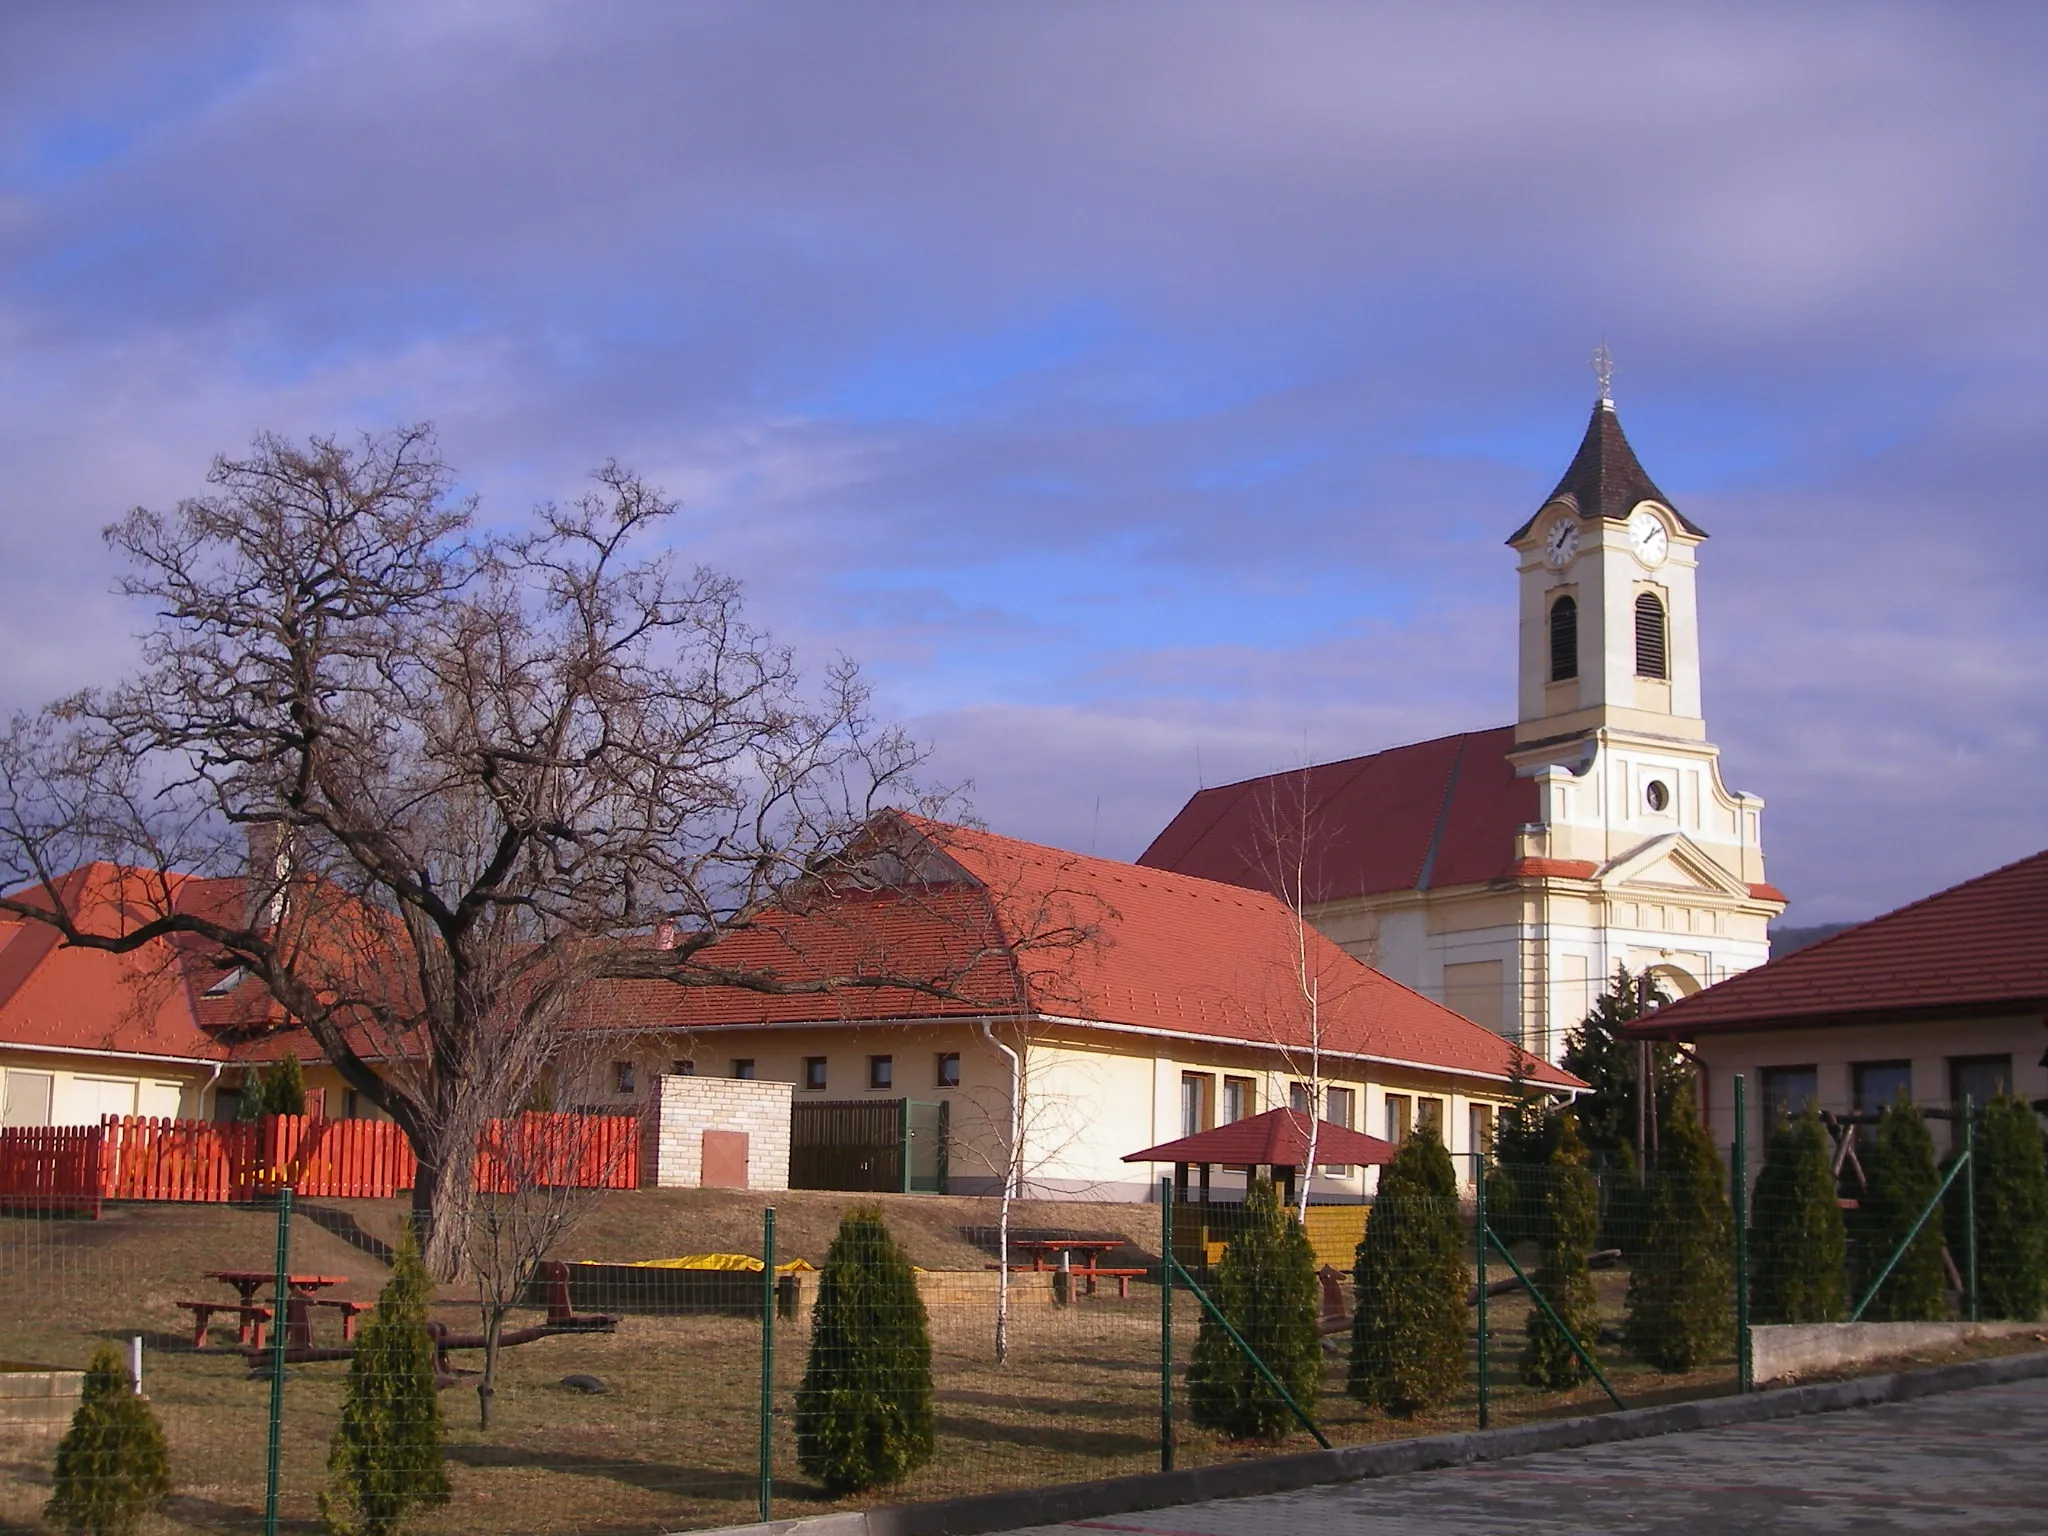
{"points": [[1507, 872]]}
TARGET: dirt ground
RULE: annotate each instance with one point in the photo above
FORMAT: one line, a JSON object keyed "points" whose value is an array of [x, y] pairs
{"points": [[672, 1441]]}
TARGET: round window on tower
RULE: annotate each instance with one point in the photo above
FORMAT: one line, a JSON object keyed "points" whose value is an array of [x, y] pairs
{"points": [[1657, 795]]}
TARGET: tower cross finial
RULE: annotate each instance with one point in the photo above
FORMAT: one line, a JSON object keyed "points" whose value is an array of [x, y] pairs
{"points": [[1603, 370]]}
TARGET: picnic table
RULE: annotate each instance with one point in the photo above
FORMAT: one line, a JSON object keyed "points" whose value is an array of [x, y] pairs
{"points": [[252, 1316], [1061, 1251]]}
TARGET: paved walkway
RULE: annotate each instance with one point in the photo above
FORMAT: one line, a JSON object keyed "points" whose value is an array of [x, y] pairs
{"points": [[1965, 1461]]}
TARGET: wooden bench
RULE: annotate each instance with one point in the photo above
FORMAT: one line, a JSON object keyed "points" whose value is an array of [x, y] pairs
{"points": [[349, 1310], [250, 1320]]}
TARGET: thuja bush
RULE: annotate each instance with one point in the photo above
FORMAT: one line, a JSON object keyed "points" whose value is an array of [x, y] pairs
{"points": [[1900, 1178], [1681, 1301], [1565, 1230], [2012, 1211], [864, 1411], [1266, 1286], [112, 1470], [278, 1089], [385, 1460], [1798, 1247], [1408, 1336], [1624, 1202]]}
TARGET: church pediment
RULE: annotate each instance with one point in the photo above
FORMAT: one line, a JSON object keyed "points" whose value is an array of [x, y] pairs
{"points": [[1671, 864]]}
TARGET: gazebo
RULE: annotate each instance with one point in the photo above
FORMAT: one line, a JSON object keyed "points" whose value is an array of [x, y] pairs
{"points": [[1276, 1140]]}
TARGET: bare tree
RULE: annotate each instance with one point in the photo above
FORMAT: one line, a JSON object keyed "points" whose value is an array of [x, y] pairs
{"points": [[460, 770]]}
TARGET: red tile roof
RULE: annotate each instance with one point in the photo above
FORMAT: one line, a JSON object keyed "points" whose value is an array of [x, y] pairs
{"points": [[1279, 1136], [1420, 817], [1032, 930], [1979, 947]]}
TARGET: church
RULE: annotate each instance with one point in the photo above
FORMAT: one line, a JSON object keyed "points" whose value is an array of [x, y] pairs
{"points": [[1507, 872]]}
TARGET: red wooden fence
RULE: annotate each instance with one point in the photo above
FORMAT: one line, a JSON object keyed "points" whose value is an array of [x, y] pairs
{"points": [[141, 1157], [50, 1168]]}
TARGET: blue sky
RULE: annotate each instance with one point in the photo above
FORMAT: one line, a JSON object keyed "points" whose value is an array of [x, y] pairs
{"points": [[1141, 391]]}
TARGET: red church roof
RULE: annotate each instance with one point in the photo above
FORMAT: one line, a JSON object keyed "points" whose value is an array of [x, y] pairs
{"points": [[1420, 817], [1278, 1137], [1979, 947]]}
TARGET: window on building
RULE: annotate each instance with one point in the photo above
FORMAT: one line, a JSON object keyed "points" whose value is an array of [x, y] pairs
{"points": [[1195, 1105], [881, 1071], [27, 1098], [814, 1074], [683, 1068], [1297, 1097], [1429, 1116], [1788, 1091], [743, 1068], [1978, 1078], [1338, 1108], [1651, 660], [1481, 1127], [1879, 1083], [622, 1077], [948, 1075], [351, 1105], [1240, 1102], [1400, 1117], [1564, 639]]}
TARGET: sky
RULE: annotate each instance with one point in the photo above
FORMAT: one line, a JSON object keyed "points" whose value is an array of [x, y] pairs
{"points": [[1142, 392]]}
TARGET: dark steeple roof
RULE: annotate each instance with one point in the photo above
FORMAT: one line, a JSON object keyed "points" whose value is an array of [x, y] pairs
{"points": [[1605, 479]]}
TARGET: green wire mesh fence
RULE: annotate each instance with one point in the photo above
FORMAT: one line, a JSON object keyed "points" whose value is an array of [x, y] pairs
{"points": [[688, 1360]]}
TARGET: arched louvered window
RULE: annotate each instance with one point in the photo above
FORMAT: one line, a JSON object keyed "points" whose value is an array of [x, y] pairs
{"points": [[1652, 658], [1564, 639]]}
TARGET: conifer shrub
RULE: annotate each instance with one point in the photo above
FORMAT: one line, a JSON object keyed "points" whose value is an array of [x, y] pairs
{"points": [[2012, 1211], [113, 1470], [1681, 1304], [1901, 1177], [385, 1460], [1624, 1203], [1798, 1247], [1570, 1219], [278, 1089], [1266, 1285], [1408, 1336], [864, 1413]]}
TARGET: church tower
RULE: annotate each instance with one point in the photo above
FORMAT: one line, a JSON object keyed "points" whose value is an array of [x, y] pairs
{"points": [[1507, 872]]}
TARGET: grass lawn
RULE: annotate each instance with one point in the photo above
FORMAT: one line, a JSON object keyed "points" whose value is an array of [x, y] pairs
{"points": [[672, 1442]]}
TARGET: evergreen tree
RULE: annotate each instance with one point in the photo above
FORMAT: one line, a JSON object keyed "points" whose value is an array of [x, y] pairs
{"points": [[1681, 1291], [278, 1089], [113, 1470], [1603, 1056], [864, 1412], [385, 1459], [1522, 1139], [1570, 1218], [1408, 1338], [1901, 1178], [1266, 1285], [2012, 1211], [1624, 1203], [1798, 1248]]}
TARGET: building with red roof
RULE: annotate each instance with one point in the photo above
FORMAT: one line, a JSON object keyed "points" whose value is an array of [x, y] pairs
{"points": [[1104, 1006], [1941, 999], [1507, 872]]}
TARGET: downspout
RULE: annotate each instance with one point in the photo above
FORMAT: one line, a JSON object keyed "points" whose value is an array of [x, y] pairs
{"points": [[1011, 1160]]}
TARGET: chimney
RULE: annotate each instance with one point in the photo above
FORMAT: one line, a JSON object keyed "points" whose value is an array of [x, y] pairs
{"points": [[666, 932], [269, 868]]}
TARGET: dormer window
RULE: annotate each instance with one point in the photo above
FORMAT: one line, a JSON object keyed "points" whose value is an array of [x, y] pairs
{"points": [[1564, 639], [1651, 657], [227, 983]]}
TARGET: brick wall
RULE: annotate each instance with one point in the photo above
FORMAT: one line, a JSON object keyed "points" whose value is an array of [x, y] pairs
{"points": [[687, 1107]]}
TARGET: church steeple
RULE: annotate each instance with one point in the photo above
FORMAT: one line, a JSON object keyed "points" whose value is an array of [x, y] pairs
{"points": [[1609, 624]]}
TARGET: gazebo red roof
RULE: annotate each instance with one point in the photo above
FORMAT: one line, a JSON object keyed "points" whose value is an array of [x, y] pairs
{"points": [[1278, 1137]]}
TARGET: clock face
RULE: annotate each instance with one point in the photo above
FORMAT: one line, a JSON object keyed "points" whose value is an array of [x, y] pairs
{"points": [[1646, 536], [1562, 542]]}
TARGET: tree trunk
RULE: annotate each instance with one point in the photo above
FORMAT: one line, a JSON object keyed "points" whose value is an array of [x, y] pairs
{"points": [[494, 1331], [440, 1199]]}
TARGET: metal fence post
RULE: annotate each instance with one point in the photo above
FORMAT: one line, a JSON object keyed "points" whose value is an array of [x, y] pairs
{"points": [[1479, 1264], [1744, 1375], [767, 1450], [278, 1328], [1166, 1325], [1970, 1207]]}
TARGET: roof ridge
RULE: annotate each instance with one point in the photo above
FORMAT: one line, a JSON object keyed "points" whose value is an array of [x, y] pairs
{"points": [[1856, 929]]}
